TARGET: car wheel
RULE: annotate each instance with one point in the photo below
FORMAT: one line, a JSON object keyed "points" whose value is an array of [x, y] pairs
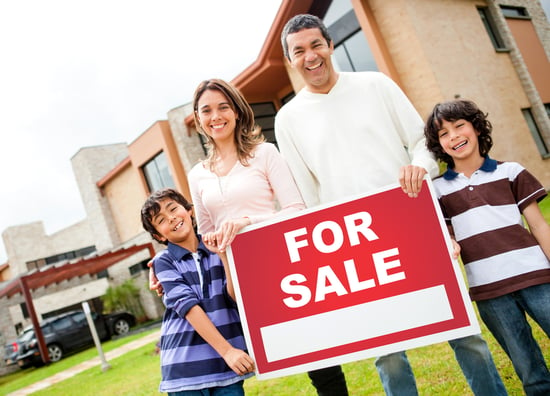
{"points": [[121, 326], [55, 352]]}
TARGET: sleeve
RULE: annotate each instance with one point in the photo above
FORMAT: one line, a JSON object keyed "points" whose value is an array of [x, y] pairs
{"points": [[409, 124], [526, 188], [204, 221], [178, 295], [306, 182], [281, 181]]}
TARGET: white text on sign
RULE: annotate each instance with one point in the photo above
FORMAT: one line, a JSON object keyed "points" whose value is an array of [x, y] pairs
{"points": [[327, 281]]}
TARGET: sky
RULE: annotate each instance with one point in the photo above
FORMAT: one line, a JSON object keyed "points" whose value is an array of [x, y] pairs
{"points": [[78, 73]]}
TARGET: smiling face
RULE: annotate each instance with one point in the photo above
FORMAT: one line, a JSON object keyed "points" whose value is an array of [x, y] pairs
{"points": [[310, 54], [173, 222], [459, 139], [216, 116]]}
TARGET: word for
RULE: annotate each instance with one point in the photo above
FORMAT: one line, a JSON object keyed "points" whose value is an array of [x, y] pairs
{"points": [[327, 281]]}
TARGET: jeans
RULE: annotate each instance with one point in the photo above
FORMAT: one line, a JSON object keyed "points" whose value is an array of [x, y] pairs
{"points": [[472, 355], [229, 390], [329, 381], [505, 317]]}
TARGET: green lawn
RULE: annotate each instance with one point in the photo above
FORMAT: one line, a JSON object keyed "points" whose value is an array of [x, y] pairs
{"points": [[137, 372]]}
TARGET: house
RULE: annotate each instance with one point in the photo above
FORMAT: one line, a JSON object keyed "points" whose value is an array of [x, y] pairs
{"points": [[495, 52]]}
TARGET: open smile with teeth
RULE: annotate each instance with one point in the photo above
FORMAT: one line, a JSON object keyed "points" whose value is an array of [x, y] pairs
{"points": [[314, 67], [460, 145], [217, 126], [178, 226]]}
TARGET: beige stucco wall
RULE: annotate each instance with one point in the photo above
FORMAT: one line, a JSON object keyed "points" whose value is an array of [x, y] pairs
{"points": [[126, 196], [439, 57]]}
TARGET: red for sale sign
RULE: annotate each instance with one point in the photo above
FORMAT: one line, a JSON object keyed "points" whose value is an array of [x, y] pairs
{"points": [[357, 279]]}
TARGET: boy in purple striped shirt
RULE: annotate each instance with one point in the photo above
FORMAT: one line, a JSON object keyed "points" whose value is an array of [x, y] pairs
{"points": [[507, 265], [202, 347]]}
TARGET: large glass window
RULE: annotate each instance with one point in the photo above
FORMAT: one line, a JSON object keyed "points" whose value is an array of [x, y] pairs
{"points": [[541, 145], [157, 173], [351, 49], [490, 26], [264, 115], [546, 8]]}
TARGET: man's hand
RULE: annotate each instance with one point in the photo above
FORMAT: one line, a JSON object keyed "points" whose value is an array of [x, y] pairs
{"points": [[456, 248], [410, 178], [154, 283]]}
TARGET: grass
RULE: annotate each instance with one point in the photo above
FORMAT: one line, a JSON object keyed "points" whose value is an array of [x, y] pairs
{"points": [[137, 372]]}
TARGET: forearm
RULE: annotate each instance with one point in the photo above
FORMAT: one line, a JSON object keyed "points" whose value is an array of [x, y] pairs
{"points": [[538, 227], [206, 329], [230, 288]]}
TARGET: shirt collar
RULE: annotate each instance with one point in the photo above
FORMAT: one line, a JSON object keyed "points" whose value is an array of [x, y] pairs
{"points": [[180, 252], [489, 165]]}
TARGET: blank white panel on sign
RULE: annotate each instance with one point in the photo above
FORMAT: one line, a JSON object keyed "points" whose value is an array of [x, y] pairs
{"points": [[356, 323]]}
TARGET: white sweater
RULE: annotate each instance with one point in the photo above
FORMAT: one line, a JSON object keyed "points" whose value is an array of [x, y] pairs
{"points": [[352, 140]]}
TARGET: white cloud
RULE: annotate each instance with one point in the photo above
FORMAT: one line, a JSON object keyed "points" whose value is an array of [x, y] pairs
{"points": [[76, 74]]}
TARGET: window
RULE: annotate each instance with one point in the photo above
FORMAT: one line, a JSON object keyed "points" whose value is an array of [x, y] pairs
{"points": [[139, 267], [514, 12], [57, 258], [546, 8], [539, 141], [351, 49], [264, 115], [157, 173], [492, 31]]}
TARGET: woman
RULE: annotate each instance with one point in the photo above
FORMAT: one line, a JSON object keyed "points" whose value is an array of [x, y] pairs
{"points": [[243, 180]]}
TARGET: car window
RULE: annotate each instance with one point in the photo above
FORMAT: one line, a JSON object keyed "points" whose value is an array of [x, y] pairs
{"points": [[26, 336], [62, 324], [79, 318]]}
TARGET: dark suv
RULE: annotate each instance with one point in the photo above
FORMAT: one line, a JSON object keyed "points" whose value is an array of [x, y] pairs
{"points": [[69, 332]]}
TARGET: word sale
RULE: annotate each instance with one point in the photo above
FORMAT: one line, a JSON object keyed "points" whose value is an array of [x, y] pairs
{"points": [[327, 280]]}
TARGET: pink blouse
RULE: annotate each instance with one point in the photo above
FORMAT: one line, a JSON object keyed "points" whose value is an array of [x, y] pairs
{"points": [[256, 191]]}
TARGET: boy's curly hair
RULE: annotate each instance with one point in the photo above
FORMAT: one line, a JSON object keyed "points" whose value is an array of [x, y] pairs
{"points": [[459, 109], [151, 208]]}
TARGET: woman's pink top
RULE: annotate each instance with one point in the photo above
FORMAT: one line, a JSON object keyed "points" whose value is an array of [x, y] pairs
{"points": [[256, 191]]}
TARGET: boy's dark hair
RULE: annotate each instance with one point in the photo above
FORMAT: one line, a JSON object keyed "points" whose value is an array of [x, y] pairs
{"points": [[451, 111], [151, 208], [301, 22]]}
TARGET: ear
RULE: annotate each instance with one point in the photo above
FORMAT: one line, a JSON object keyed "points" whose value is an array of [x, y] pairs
{"points": [[159, 238]]}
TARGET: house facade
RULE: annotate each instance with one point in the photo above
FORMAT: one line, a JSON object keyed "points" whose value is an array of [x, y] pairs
{"points": [[495, 52]]}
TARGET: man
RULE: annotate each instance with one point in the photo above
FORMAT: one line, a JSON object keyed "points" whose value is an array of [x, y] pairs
{"points": [[350, 133]]}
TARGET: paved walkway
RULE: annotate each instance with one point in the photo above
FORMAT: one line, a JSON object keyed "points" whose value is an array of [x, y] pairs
{"points": [[86, 365]]}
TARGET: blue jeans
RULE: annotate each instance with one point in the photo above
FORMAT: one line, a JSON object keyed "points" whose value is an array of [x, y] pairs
{"points": [[472, 355], [229, 390], [506, 318]]}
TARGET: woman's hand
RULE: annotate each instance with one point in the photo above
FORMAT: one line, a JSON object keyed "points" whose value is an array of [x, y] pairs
{"points": [[228, 230]]}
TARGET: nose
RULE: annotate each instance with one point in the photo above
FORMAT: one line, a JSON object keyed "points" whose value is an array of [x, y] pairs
{"points": [[310, 55]]}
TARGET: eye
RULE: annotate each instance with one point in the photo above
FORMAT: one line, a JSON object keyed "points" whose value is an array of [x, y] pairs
{"points": [[442, 133]]}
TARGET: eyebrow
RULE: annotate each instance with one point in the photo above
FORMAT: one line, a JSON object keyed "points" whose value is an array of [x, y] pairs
{"points": [[220, 103]]}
